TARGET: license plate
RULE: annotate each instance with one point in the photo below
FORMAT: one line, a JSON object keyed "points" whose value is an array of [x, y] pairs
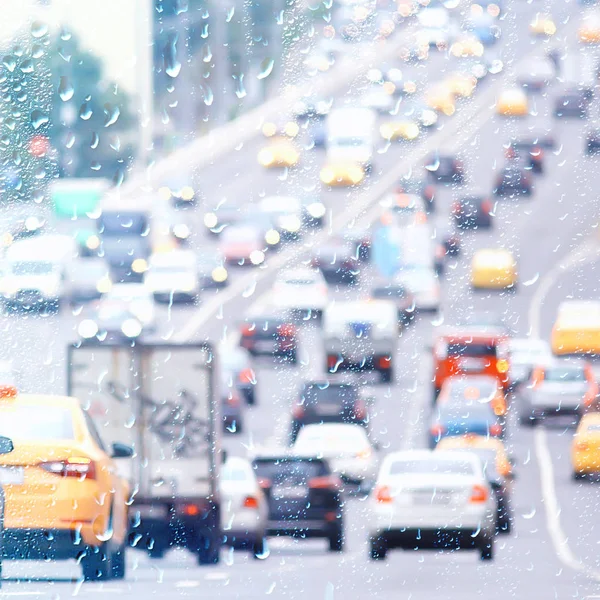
{"points": [[289, 493], [329, 410], [265, 346], [152, 512], [431, 498], [472, 364], [12, 475]]}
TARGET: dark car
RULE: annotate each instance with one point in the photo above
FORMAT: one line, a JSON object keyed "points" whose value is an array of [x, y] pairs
{"points": [[338, 261], [444, 168], [232, 407], [126, 256], [573, 103], [473, 212], [528, 153], [512, 180], [109, 321], [501, 488], [304, 497], [420, 187], [400, 295], [542, 135], [212, 271], [561, 388], [224, 213], [328, 402], [236, 362], [270, 335], [360, 242], [592, 141], [462, 417], [449, 239]]}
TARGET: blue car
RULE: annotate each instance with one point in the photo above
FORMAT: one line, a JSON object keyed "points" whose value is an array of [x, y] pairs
{"points": [[459, 418]]}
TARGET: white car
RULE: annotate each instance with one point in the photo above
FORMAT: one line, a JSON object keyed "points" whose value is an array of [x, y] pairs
{"points": [[525, 354], [346, 447], [138, 300], [173, 276], [424, 285], [301, 290], [378, 99], [427, 500], [244, 508]]}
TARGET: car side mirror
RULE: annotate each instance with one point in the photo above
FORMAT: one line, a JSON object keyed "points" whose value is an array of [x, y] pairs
{"points": [[6, 445], [121, 450], [376, 446], [512, 460]]}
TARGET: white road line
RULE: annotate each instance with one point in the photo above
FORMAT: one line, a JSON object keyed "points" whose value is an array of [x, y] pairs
{"points": [[584, 252]]}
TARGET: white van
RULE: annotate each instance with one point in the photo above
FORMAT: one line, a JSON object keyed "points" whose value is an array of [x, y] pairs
{"points": [[34, 271], [173, 276], [361, 335], [351, 135]]}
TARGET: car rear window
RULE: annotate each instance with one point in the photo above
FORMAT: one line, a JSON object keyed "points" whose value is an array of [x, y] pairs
{"points": [[463, 412], [397, 291], [294, 470], [36, 423], [568, 374], [475, 349], [328, 394], [461, 388], [432, 467]]}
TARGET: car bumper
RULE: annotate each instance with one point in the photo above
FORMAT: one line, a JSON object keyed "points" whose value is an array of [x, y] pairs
{"points": [[432, 538], [587, 462], [303, 528], [45, 544], [174, 296]]}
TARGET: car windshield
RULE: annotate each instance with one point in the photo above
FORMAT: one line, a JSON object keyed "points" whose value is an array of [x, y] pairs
{"points": [[289, 470], [35, 424], [31, 267], [432, 466]]}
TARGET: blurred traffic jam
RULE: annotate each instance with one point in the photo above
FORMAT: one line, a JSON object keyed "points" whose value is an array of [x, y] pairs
{"points": [[353, 329]]}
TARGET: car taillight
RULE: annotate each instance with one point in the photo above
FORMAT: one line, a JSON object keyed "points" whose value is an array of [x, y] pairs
{"points": [[581, 446], [429, 193], [247, 376], [264, 482], [383, 494], [499, 406], [502, 365], [510, 152], [332, 360], [496, 429], [233, 399], [315, 262], [384, 362], [486, 207], [328, 482], [437, 430], [360, 410], [247, 330], [298, 411], [250, 502], [537, 378], [79, 467], [366, 453], [589, 397], [456, 208], [286, 330], [478, 494]]}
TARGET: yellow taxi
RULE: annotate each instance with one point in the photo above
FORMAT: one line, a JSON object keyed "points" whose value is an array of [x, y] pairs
{"points": [[473, 441], [493, 268], [461, 84], [63, 497], [403, 129], [512, 103], [280, 152], [542, 25], [342, 174], [441, 99], [576, 329], [585, 449], [288, 129], [589, 29], [467, 46]]}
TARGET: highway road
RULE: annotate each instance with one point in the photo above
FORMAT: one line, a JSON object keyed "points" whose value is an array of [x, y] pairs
{"points": [[553, 550]]}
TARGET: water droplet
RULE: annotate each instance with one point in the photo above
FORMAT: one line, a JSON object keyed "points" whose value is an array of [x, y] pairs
{"points": [[532, 280], [65, 34], [240, 90], [65, 89], [230, 14], [38, 29], [530, 514], [232, 428], [265, 553], [173, 66], [85, 112], [112, 114], [9, 62], [10, 123], [249, 290], [27, 66], [70, 140], [64, 54], [208, 95], [37, 51], [266, 68], [38, 118], [271, 589], [206, 53], [434, 164]]}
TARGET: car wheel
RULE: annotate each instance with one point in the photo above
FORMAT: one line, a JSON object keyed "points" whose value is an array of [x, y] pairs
{"points": [[387, 376], [117, 563], [156, 552], [208, 553], [250, 396], [527, 421], [336, 540], [96, 563], [378, 549], [292, 357], [259, 548], [503, 523], [578, 476], [486, 551], [435, 394]]}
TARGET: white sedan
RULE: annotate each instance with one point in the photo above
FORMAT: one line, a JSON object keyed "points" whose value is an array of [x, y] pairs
{"points": [[301, 290], [346, 447], [427, 500], [424, 285], [244, 507], [138, 300]]}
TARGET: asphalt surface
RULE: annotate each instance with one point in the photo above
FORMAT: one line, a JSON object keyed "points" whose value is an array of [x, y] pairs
{"points": [[553, 549]]}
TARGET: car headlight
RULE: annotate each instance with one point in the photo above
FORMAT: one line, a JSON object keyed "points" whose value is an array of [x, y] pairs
{"points": [[291, 223], [188, 286], [210, 220], [139, 265], [181, 231], [291, 129], [429, 118], [187, 193], [387, 131], [266, 157], [411, 131], [257, 257], [327, 175], [49, 289], [164, 192], [87, 329], [272, 237], [316, 210], [104, 285], [269, 129], [290, 157], [131, 328], [219, 274], [92, 243], [356, 175]]}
